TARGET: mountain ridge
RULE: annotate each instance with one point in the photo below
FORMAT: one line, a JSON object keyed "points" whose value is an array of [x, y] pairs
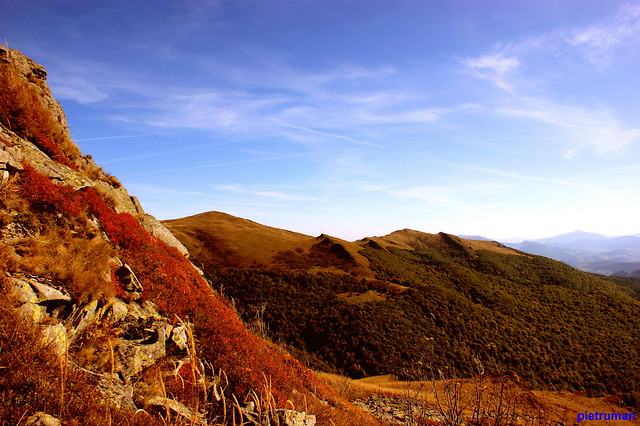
{"points": [[601, 254], [424, 288]]}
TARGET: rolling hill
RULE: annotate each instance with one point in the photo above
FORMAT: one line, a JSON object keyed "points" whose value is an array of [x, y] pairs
{"points": [[411, 303]]}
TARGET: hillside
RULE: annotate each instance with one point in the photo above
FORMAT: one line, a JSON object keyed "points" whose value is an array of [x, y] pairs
{"points": [[103, 320], [421, 303]]}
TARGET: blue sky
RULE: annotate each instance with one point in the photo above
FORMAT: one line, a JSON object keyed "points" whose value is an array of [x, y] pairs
{"points": [[355, 118]]}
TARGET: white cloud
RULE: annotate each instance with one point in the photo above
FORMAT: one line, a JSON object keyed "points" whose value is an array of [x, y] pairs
{"points": [[597, 39], [520, 70], [77, 89], [496, 68], [600, 130], [241, 189]]}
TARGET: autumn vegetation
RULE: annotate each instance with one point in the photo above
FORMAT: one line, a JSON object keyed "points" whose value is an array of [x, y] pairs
{"points": [[69, 236], [440, 303]]}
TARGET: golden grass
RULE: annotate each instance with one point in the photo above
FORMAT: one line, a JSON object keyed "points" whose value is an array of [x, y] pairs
{"points": [[549, 407], [244, 243], [81, 264]]}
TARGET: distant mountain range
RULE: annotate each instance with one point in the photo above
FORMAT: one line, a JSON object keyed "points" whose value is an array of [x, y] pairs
{"points": [[600, 254]]}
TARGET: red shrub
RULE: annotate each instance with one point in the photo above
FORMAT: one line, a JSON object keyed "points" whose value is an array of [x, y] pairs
{"points": [[22, 111], [173, 284], [45, 196]]}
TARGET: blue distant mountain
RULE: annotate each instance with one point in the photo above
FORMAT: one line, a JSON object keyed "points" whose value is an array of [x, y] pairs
{"points": [[619, 256]]}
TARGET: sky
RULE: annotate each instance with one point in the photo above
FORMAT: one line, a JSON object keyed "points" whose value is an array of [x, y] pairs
{"points": [[355, 118]]}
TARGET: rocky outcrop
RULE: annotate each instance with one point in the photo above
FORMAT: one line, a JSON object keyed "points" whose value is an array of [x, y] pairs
{"points": [[84, 266]]}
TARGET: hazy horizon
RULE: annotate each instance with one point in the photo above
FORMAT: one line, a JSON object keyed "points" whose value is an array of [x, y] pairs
{"points": [[355, 118]]}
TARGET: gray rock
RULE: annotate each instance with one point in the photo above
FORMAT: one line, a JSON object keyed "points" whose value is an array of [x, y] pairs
{"points": [[118, 310], [178, 408], [55, 337], [22, 291], [180, 337], [298, 418], [128, 279], [46, 292], [158, 230], [88, 315], [42, 419], [138, 354], [118, 393]]}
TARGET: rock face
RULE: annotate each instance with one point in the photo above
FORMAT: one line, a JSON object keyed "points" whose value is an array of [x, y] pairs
{"points": [[104, 293], [114, 337]]}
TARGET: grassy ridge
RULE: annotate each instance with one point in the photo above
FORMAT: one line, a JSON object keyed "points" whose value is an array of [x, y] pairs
{"points": [[556, 327]]}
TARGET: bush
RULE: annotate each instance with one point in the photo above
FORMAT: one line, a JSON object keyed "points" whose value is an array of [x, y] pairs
{"points": [[22, 110]]}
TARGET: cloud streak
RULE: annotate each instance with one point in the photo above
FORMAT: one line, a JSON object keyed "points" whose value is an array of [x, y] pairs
{"points": [[518, 69]]}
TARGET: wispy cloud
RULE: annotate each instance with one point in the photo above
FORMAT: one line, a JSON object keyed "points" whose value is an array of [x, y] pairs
{"points": [[241, 189], [119, 137], [600, 130], [497, 68], [210, 165], [519, 176], [597, 40], [329, 134], [519, 69]]}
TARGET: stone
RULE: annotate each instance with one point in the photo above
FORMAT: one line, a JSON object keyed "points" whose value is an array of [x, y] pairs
{"points": [[42, 419], [178, 408], [115, 391], [22, 291], [88, 315], [118, 310], [180, 337], [46, 292], [55, 338], [33, 312], [158, 230], [128, 279], [137, 354], [298, 418]]}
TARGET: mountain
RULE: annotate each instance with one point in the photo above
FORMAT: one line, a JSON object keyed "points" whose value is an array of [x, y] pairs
{"points": [[619, 256], [411, 303], [572, 237], [103, 319]]}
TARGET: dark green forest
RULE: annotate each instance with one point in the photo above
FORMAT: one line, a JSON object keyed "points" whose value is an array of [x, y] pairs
{"points": [[556, 327]]}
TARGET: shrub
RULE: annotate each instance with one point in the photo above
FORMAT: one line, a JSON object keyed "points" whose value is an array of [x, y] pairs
{"points": [[23, 111], [45, 196]]}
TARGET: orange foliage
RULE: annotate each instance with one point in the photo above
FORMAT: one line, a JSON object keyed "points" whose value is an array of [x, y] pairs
{"points": [[175, 286], [23, 112]]}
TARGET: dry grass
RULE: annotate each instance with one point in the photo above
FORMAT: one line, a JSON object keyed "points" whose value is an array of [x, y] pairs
{"points": [[227, 241], [410, 239], [34, 379], [24, 111], [80, 264], [482, 397]]}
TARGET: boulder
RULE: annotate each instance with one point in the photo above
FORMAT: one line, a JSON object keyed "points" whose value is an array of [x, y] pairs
{"points": [[128, 279], [46, 292], [178, 408], [158, 230], [298, 418], [118, 393], [55, 338], [42, 419], [118, 310], [144, 342]]}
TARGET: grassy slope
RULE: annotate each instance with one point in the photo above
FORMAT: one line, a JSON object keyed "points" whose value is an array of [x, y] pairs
{"points": [[75, 218], [446, 302]]}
